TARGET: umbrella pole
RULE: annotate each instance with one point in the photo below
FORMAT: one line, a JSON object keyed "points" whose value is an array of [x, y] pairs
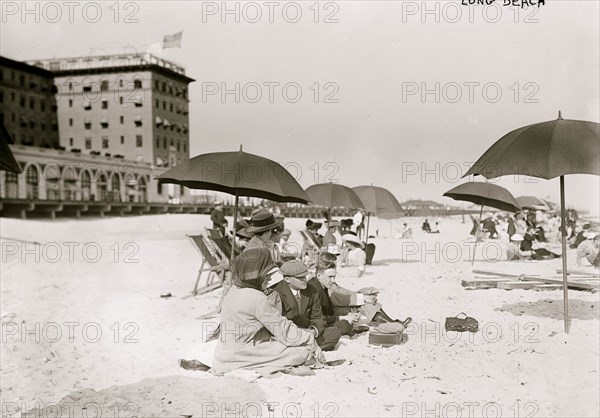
{"points": [[235, 211], [476, 235], [563, 239], [368, 219]]}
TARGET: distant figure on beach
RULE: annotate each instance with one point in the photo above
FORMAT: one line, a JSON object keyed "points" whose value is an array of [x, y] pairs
{"points": [[255, 336], [332, 236], [589, 249], [531, 244], [406, 233], [302, 304], [426, 227], [354, 260], [435, 229], [514, 252], [581, 235], [358, 220], [218, 218]]}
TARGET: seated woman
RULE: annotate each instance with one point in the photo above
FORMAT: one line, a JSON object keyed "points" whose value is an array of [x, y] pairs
{"points": [[531, 244], [352, 264], [253, 333], [514, 252]]}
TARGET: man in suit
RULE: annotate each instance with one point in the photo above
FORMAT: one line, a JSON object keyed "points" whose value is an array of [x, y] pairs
{"points": [[302, 304]]}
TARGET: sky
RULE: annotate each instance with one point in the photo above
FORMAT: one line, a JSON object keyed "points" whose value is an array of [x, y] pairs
{"points": [[401, 94]]}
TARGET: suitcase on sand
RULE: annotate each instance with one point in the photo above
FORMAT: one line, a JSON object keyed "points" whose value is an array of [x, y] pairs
{"points": [[385, 339]]}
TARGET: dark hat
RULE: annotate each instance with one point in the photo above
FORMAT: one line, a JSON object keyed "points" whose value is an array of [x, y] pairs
{"points": [[327, 256], [347, 221], [263, 220], [313, 225], [294, 268]]}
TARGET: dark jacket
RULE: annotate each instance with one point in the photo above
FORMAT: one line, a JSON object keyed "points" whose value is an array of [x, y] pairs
{"points": [[309, 312], [217, 217], [326, 305]]}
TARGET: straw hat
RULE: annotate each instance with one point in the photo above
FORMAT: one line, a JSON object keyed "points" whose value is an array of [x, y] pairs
{"points": [[516, 237], [353, 239]]}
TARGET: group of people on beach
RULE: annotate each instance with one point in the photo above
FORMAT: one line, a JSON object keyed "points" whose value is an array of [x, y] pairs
{"points": [[283, 309]]}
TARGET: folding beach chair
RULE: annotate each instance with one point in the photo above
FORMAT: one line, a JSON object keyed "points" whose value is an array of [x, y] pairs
{"points": [[309, 248], [212, 263], [223, 243]]}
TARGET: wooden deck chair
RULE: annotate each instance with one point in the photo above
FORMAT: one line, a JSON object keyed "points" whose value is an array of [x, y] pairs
{"points": [[212, 263]]}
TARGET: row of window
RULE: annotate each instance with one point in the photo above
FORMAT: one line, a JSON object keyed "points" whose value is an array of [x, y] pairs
{"points": [[33, 101], [24, 79], [87, 124], [167, 88], [139, 141], [177, 108], [180, 144], [26, 122]]}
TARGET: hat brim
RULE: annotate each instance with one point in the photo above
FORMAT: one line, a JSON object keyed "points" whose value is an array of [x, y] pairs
{"points": [[256, 229], [355, 242]]}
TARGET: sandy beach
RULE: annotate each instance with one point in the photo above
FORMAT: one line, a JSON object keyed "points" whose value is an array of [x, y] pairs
{"points": [[84, 329]]}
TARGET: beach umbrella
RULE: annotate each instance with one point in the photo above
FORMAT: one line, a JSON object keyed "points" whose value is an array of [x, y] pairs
{"points": [[546, 150], [7, 159], [333, 195], [484, 194], [379, 202], [532, 202], [239, 174]]}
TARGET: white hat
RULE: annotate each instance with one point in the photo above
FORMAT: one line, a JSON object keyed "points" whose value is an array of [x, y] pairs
{"points": [[590, 234], [516, 237], [353, 239], [275, 276]]}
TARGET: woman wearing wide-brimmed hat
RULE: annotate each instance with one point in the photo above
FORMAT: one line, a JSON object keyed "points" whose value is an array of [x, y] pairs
{"points": [[253, 333], [352, 263]]}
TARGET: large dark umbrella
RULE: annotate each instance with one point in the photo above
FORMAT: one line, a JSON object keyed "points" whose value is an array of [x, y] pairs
{"points": [[546, 150], [333, 195], [7, 159], [484, 194], [378, 201], [237, 173], [532, 202]]}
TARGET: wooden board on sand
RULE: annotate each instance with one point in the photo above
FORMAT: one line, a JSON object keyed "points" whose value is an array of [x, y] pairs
{"points": [[571, 284]]}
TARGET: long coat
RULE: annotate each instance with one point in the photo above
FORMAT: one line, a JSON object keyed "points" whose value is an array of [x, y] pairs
{"points": [[254, 335], [308, 313]]}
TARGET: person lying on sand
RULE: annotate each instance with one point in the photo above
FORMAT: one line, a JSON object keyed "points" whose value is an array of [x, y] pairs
{"points": [[253, 333], [353, 261], [301, 304], [589, 249], [344, 308]]}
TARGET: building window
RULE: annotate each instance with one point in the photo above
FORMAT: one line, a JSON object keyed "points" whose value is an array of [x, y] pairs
{"points": [[164, 105], [138, 140], [31, 124], [87, 106], [137, 84], [70, 121], [122, 120], [22, 80], [13, 96], [157, 84], [170, 107], [165, 143], [32, 182], [138, 103], [122, 139], [121, 83], [22, 101], [43, 126], [70, 86], [103, 85], [32, 103], [138, 121], [159, 187], [172, 142], [70, 142], [87, 124], [87, 88], [164, 87], [104, 124], [1, 96], [178, 146], [43, 105], [70, 102], [184, 147], [104, 142], [14, 117], [184, 93], [120, 99], [104, 104], [157, 142], [156, 103], [88, 143]]}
